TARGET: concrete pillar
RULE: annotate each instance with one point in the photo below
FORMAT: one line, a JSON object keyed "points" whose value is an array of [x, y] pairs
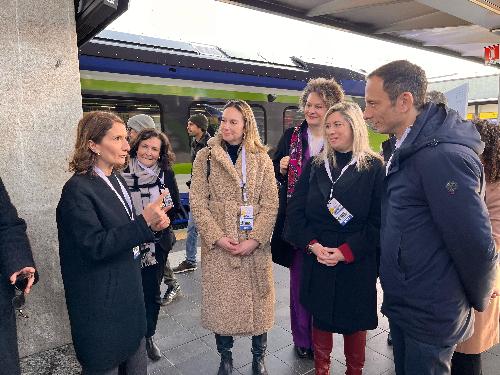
{"points": [[40, 105]]}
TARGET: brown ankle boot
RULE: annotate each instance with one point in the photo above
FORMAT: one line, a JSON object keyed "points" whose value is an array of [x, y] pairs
{"points": [[322, 345], [354, 351]]}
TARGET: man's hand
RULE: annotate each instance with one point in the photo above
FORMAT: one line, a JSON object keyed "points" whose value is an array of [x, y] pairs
{"points": [[29, 273]]}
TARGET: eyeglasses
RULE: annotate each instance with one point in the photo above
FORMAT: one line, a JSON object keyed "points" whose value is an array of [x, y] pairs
{"points": [[19, 299]]}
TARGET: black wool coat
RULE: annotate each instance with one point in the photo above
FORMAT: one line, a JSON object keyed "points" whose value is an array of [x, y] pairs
{"points": [[102, 280], [15, 254], [343, 296], [281, 250]]}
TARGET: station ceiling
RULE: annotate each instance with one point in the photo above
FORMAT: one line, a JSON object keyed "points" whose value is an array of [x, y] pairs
{"points": [[460, 28]]}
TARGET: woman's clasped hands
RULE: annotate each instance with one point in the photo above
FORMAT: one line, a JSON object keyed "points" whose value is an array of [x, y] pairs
{"points": [[329, 256], [235, 247], [155, 213]]}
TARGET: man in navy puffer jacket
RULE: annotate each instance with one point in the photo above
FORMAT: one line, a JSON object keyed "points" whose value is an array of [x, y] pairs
{"points": [[438, 257]]}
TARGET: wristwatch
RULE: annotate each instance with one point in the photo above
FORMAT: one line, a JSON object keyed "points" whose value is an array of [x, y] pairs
{"points": [[310, 246]]}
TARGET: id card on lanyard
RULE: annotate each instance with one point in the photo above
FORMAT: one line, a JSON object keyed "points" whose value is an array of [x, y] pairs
{"points": [[127, 206], [246, 211], [336, 209]]}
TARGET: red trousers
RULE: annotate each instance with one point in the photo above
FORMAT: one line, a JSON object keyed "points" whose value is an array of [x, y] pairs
{"points": [[354, 351]]}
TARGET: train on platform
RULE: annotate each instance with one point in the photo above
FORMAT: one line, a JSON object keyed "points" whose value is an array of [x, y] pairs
{"points": [[171, 80]]}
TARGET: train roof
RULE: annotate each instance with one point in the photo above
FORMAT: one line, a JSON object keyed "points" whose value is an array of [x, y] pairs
{"points": [[176, 56]]}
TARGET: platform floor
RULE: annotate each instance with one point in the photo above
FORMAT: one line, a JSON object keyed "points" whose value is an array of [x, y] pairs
{"points": [[189, 349]]}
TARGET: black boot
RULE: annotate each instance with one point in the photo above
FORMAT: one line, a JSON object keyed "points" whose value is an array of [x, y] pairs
{"points": [[224, 346], [152, 349], [259, 346]]}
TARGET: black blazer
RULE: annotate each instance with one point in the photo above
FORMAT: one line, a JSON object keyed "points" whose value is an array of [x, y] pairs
{"points": [[280, 249], [102, 280], [15, 254], [343, 296]]}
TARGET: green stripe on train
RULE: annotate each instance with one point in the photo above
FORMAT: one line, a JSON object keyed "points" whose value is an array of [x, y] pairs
{"points": [[147, 88]]}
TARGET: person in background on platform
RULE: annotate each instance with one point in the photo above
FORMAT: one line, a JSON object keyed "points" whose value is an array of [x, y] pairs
{"points": [[137, 123], [196, 128], [148, 174], [17, 272], [99, 238], [467, 357], [295, 148], [339, 275], [436, 97], [234, 200], [435, 227]]}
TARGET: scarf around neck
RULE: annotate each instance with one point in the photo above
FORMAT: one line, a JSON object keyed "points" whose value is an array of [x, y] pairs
{"points": [[144, 184]]}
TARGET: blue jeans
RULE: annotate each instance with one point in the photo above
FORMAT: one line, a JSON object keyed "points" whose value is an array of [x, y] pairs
{"points": [[412, 357], [191, 240]]}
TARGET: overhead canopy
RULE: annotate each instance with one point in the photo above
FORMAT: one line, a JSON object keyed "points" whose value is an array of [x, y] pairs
{"points": [[457, 27]]}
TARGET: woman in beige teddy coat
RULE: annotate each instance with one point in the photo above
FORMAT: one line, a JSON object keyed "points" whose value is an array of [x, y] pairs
{"points": [[231, 177]]}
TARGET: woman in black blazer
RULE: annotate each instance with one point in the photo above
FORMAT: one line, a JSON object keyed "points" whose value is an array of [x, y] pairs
{"points": [[149, 172], [334, 215], [99, 238]]}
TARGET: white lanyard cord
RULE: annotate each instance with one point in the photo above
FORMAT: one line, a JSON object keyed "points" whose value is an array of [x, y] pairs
{"points": [[130, 212], [327, 167]]}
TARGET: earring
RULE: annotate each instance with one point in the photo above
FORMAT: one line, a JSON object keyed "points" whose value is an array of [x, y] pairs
{"points": [[98, 154]]}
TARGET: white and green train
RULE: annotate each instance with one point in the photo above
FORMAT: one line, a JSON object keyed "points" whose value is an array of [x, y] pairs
{"points": [[168, 80]]}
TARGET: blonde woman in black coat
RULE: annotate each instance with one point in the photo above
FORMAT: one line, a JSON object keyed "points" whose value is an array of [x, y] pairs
{"points": [[336, 205], [99, 238]]}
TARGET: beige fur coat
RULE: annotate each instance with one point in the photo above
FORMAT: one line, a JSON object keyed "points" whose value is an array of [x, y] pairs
{"points": [[237, 291]]}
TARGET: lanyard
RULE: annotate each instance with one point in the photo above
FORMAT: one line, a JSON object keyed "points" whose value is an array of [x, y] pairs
{"points": [[151, 172], [243, 182], [327, 167], [128, 209]]}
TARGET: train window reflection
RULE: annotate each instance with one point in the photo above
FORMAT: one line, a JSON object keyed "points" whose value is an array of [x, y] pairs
{"points": [[213, 111], [125, 108], [292, 117]]}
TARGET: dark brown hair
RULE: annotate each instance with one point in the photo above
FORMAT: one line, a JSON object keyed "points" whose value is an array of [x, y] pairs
{"points": [[490, 135], [167, 156], [402, 76], [92, 127]]}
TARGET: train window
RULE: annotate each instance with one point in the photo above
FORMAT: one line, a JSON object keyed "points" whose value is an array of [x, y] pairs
{"points": [[125, 108], [213, 111], [292, 117]]}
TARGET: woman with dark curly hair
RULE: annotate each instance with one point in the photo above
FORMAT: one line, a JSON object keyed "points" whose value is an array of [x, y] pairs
{"points": [[295, 148], [99, 238], [467, 357], [148, 174]]}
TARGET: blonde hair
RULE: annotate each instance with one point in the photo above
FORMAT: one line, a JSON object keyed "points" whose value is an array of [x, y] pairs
{"points": [[251, 137], [360, 144], [328, 89]]}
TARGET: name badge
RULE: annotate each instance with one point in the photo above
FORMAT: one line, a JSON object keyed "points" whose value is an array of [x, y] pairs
{"points": [[136, 252], [339, 212], [246, 217]]}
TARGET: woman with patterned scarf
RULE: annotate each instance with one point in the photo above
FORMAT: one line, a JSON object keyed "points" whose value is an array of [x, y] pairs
{"points": [[295, 148], [149, 172]]}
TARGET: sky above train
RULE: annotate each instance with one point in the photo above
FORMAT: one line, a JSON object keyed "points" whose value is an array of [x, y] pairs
{"points": [[246, 30]]}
